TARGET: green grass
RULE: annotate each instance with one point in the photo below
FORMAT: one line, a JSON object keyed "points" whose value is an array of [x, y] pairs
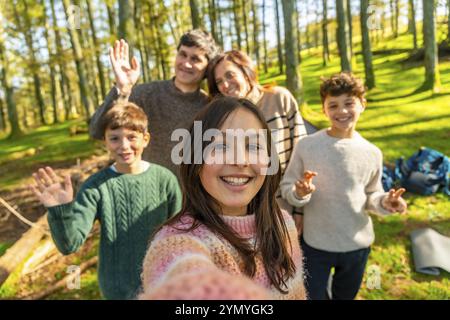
{"points": [[48, 145], [4, 247]]}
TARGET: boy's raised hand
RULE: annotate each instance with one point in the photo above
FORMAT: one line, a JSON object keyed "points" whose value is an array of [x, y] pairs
{"points": [[126, 75], [394, 202], [305, 186], [49, 190]]}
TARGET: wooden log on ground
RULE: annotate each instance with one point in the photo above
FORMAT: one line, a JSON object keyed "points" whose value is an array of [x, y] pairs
{"points": [[63, 282], [22, 248]]}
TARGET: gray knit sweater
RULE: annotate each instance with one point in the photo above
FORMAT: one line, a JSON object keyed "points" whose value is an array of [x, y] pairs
{"points": [[348, 183], [167, 108]]}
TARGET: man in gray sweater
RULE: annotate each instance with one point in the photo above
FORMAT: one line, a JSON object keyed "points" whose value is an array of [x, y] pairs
{"points": [[169, 104], [347, 170]]}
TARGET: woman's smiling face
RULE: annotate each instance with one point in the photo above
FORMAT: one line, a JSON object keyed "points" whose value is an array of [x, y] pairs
{"points": [[235, 183], [230, 80]]}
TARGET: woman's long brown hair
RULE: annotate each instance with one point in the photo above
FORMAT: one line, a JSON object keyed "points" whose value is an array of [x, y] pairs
{"points": [[271, 233]]}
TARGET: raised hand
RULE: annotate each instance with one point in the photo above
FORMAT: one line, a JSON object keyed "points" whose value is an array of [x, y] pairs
{"points": [[305, 186], [49, 190], [126, 75], [394, 202]]}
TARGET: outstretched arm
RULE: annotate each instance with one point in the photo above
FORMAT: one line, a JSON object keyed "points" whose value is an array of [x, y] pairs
{"points": [[181, 267]]}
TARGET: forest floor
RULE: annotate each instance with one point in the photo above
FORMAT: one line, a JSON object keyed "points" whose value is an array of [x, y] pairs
{"points": [[399, 119]]}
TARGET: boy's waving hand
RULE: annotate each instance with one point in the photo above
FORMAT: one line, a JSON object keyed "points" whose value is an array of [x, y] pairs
{"points": [[49, 190], [394, 202]]}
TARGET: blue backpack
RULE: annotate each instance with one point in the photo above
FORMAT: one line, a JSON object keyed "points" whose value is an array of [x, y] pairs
{"points": [[424, 172]]}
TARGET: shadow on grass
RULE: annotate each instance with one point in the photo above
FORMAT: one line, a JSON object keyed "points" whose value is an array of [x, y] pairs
{"points": [[395, 125]]}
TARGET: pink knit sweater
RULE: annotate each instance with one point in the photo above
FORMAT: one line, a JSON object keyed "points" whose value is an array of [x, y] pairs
{"points": [[199, 264]]}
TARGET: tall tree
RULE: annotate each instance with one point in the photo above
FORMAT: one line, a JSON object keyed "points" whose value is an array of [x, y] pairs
{"points": [[412, 21], [246, 33], [366, 48], [2, 116], [448, 22], [237, 24], [342, 35], [255, 33], [432, 76], [279, 46], [197, 21], [27, 31], [85, 94], [325, 49], [64, 84], [13, 118], [350, 26], [140, 40], [126, 23], [265, 37], [293, 78], [111, 16], [213, 19], [297, 29], [97, 49], [51, 63]]}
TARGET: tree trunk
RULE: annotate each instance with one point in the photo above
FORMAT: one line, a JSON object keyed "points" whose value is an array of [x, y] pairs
{"points": [[412, 21], [264, 36], [350, 26], [140, 42], [213, 19], [432, 77], [219, 18], [255, 33], [246, 33], [8, 92], [195, 14], [293, 78], [325, 49], [64, 84], [21, 249], [34, 65], [297, 30], [126, 24], [97, 51], [342, 35], [366, 48], [279, 46], [237, 23], [50, 64], [448, 22], [397, 15], [2, 116], [85, 94], [111, 16]]}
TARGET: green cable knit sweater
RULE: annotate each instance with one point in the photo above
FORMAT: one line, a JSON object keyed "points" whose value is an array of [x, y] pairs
{"points": [[129, 208]]}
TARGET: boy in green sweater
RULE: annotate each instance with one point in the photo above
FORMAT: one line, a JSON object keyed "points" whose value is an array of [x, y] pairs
{"points": [[131, 198]]}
